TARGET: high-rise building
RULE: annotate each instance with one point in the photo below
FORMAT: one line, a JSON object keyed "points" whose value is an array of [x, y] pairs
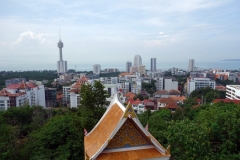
{"points": [[191, 65], [137, 60], [142, 70], [96, 69], [128, 65], [61, 64], [153, 64]]}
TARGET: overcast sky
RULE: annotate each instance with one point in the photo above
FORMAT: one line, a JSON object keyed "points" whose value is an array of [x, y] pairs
{"points": [[112, 32]]}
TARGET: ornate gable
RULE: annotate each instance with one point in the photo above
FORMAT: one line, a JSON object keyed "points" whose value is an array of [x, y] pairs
{"points": [[120, 135], [129, 135]]}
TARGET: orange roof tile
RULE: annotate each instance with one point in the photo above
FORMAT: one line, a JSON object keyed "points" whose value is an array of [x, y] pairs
{"points": [[125, 73], [174, 92], [4, 92], [129, 95], [182, 98], [226, 101], [94, 141], [171, 105], [80, 81], [132, 155], [220, 88], [21, 85], [59, 96], [161, 92], [116, 123], [167, 100]]}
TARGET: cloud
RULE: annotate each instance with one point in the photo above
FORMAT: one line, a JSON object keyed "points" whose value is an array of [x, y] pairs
{"points": [[31, 35], [3, 43], [200, 25], [160, 32], [164, 36]]}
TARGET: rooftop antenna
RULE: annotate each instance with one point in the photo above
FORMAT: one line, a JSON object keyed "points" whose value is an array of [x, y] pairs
{"points": [[59, 34]]}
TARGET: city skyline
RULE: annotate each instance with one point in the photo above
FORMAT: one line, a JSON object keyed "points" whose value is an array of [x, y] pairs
{"points": [[169, 31]]}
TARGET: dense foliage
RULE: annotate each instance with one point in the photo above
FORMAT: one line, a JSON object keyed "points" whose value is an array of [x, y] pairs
{"points": [[208, 94], [226, 82], [149, 87], [33, 75], [206, 132], [35, 133]]}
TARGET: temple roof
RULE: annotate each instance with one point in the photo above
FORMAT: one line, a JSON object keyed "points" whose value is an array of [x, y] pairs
{"points": [[21, 85], [5, 93], [76, 87], [101, 142]]}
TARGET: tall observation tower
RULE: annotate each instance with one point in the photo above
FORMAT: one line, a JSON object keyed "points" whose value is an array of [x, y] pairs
{"points": [[61, 64]]}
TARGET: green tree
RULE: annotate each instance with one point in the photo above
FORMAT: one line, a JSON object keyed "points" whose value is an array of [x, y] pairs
{"points": [[93, 104], [60, 138], [189, 141]]}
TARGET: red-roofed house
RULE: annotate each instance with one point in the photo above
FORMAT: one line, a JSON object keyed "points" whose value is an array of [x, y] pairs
{"points": [[16, 95], [161, 94], [172, 107], [74, 91], [21, 94], [162, 102], [226, 101]]}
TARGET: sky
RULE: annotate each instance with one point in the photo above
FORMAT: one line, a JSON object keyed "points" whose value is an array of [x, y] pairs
{"points": [[110, 33]]}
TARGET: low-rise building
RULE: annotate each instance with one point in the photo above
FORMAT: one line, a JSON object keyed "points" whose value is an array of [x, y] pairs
{"points": [[21, 94], [74, 91], [233, 92], [110, 70], [161, 94], [198, 83], [170, 83], [50, 97]]}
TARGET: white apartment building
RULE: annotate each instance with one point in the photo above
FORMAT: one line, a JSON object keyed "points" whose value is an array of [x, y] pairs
{"points": [[66, 94], [198, 83], [233, 92], [109, 80], [159, 83], [132, 81], [170, 84], [96, 69], [232, 77], [16, 95], [136, 86], [74, 96]]}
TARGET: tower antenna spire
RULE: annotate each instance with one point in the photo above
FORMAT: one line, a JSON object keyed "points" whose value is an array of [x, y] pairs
{"points": [[59, 34]]}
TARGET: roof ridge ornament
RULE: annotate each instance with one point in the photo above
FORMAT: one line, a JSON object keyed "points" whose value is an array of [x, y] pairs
{"points": [[129, 112]]}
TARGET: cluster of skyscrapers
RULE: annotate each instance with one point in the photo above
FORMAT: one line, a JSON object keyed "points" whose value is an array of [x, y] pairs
{"points": [[138, 66]]}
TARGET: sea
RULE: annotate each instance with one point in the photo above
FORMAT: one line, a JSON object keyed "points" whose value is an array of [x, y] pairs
{"points": [[222, 65]]}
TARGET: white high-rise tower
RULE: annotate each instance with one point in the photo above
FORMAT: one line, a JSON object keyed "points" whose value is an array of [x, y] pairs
{"points": [[61, 64], [191, 65], [137, 61], [128, 66], [153, 64], [96, 69]]}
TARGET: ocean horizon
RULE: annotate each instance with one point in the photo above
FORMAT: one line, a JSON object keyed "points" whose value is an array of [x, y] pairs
{"points": [[223, 65]]}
